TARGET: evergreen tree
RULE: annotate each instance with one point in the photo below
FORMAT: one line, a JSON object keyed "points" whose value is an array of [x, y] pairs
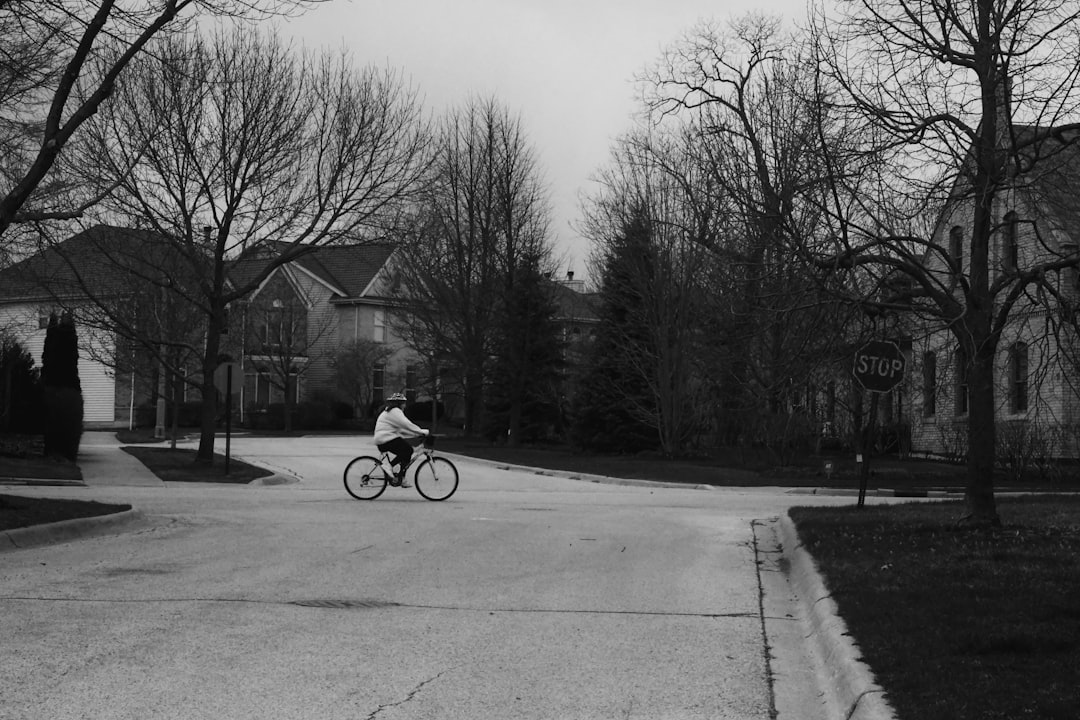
{"points": [[20, 390], [524, 391], [606, 415], [63, 390]]}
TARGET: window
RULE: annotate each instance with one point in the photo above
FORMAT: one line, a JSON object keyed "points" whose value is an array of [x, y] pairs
{"points": [[276, 331], [1010, 242], [410, 384], [956, 248], [929, 384], [379, 333], [830, 403], [1018, 378], [378, 378], [262, 390], [272, 334], [268, 388], [961, 381]]}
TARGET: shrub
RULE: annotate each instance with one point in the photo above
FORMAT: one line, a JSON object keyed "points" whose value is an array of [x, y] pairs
{"points": [[314, 415], [63, 391], [21, 408], [64, 416]]}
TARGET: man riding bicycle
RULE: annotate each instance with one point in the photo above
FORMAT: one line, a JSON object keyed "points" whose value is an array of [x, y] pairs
{"points": [[391, 430]]}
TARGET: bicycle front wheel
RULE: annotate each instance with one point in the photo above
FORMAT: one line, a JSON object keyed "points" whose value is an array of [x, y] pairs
{"points": [[365, 478], [436, 478]]}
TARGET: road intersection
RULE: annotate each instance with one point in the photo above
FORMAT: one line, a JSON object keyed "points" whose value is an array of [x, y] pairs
{"points": [[524, 596]]}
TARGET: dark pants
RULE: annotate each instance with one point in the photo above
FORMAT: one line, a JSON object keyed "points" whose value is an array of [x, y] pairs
{"points": [[401, 450]]}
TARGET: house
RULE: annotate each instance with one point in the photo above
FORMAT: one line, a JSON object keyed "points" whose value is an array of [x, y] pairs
{"points": [[314, 325], [55, 281], [318, 331], [1036, 221], [323, 329]]}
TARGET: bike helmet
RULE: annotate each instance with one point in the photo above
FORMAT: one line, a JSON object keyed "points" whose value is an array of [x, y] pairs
{"points": [[396, 397]]}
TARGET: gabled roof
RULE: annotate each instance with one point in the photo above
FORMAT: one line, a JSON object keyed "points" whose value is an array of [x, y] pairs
{"points": [[346, 269], [1045, 172], [574, 305], [350, 267], [102, 260], [1053, 183]]}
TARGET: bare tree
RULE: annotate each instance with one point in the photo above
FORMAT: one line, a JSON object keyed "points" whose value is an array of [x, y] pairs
{"points": [[483, 215], [237, 146], [285, 339], [740, 90], [60, 61], [353, 364], [942, 86]]}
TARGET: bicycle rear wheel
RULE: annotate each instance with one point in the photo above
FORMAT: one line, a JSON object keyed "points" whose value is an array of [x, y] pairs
{"points": [[436, 478], [365, 478]]}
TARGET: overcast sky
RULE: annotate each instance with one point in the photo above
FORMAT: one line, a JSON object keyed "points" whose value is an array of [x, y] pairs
{"points": [[566, 66]]}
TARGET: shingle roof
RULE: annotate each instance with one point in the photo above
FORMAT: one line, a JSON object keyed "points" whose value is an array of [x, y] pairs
{"points": [[348, 269], [574, 305], [101, 260]]}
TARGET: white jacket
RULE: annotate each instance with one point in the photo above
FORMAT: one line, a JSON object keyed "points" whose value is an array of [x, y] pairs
{"points": [[392, 423]]}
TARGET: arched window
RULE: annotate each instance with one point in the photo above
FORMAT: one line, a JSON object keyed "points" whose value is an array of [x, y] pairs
{"points": [[1018, 378], [1010, 245], [961, 381], [956, 247], [929, 383]]}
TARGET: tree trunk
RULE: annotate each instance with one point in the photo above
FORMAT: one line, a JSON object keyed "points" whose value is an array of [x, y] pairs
{"points": [[208, 416], [975, 333], [513, 438], [979, 495], [287, 404], [474, 403]]}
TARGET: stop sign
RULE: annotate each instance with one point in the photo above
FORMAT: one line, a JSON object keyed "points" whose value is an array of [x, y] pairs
{"points": [[879, 365]]}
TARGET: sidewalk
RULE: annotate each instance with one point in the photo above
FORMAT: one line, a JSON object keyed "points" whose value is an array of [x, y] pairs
{"points": [[103, 463]]}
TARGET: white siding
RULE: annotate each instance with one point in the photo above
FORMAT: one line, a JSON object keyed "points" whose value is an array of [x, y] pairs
{"points": [[98, 384]]}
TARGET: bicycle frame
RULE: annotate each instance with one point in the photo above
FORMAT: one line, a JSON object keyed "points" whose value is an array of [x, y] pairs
{"points": [[421, 451]]}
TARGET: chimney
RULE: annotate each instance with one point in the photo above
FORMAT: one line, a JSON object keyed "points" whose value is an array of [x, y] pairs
{"points": [[569, 276]]}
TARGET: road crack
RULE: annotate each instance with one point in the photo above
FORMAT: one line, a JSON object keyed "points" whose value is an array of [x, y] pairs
{"points": [[408, 698]]}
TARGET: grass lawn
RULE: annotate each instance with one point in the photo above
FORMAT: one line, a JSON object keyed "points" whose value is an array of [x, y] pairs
{"points": [[959, 624], [18, 512], [179, 466], [171, 465]]}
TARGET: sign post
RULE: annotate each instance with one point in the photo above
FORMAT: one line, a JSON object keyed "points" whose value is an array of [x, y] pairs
{"points": [[879, 367], [225, 374]]}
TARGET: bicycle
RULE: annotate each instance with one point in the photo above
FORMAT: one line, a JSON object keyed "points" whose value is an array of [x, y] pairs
{"points": [[435, 478]]}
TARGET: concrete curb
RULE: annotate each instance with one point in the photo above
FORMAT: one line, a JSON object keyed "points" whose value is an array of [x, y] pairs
{"points": [[66, 530], [44, 482], [849, 688], [275, 479], [878, 492], [585, 477]]}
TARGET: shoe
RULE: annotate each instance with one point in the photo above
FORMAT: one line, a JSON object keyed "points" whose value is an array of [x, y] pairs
{"points": [[401, 481]]}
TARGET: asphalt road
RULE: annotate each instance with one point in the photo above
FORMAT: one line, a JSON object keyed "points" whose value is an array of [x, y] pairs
{"points": [[524, 596]]}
